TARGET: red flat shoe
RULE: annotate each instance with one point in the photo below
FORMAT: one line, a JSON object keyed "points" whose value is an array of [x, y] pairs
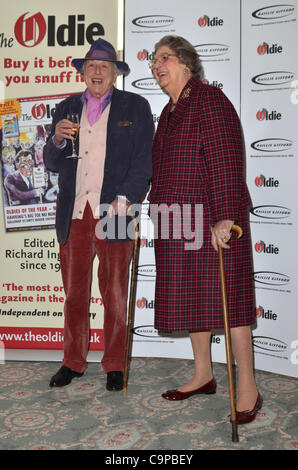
{"points": [[244, 417], [175, 395]]}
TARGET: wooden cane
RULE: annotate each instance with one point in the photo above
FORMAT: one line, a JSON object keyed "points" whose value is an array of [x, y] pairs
{"points": [[131, 307], [235, 437]]}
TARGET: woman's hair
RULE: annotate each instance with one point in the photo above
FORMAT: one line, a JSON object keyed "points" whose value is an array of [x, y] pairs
{"points": [[185, 52]]}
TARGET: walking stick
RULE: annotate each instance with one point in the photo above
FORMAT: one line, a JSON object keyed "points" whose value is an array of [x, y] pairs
{"points": [[132, 300], [235, 437]]}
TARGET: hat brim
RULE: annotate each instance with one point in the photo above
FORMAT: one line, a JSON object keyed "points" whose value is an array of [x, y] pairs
{"points": [[122, 66]]}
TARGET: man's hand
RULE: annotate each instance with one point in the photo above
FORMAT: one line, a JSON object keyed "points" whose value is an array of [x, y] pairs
{"points": [[63, 130], [118, 207]]}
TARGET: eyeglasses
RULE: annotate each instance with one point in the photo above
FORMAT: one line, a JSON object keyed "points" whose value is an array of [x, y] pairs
{"points": [[162, 59]]}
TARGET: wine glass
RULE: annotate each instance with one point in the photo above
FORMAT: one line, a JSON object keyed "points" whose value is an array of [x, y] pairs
{"points": [[75, 132]]}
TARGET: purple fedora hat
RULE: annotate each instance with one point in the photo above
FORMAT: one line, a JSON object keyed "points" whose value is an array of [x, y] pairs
{"points": [[101, 50]]}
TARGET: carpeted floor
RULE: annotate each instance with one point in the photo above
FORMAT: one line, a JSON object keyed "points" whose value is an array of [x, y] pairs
{"points": [[84, 416]]}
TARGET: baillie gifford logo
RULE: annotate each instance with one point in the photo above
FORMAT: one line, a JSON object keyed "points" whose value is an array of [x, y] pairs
{"points": [[153, 21], [274, 12], [271, 212], [29, 30], [206, 21]]}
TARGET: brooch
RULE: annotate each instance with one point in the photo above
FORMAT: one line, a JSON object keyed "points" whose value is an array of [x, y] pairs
{"points": [[186, 93]]}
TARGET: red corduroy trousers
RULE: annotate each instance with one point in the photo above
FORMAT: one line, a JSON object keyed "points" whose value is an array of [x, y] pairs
{"points": [[76, 259]]}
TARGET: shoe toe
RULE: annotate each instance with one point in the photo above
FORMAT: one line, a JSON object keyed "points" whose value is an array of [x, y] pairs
{"points": [[64, 376], [171, 395], [114, 380]]}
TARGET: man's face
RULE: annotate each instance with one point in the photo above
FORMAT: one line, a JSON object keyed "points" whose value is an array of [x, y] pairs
{"points": [[99, 76], [26, 165]]}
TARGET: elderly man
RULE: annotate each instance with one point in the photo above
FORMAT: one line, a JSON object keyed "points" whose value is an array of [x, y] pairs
{"points": [[113, 171]]}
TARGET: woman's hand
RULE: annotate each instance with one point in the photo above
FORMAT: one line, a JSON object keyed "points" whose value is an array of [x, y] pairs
{"points": [[221, 234]]}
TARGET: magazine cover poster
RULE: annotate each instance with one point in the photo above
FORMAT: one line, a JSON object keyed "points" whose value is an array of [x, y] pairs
{"points": [[29, 190]]}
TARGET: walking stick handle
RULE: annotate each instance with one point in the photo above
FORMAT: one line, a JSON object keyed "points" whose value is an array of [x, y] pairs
{"points": [[235, 228], [238, 230]]}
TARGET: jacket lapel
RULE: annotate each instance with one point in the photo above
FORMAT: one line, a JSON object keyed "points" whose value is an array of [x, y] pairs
{"points": [[76, 104], [183, 103], [118, 107]]}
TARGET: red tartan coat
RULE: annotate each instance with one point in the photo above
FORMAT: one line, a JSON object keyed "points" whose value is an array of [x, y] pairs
{"points": [[198, 159]]}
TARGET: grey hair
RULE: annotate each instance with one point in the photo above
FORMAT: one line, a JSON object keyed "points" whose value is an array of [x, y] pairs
{"points": [[118, 72], [185, 52]]}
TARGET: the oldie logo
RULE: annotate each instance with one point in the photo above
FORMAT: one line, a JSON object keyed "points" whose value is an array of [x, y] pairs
{"points": [[265, 115], [266, 49], [144, 303], [149, 84], [41, 111], [146, 243], [153, 21], [206, 21], [212, 49], [38, 111], [271, 278], [262, 247], [144, 55], [266, 182], [274, 144], [215, 83], [278, 77], [30, 30], [274, 12], [267, 315], [271, 212]]}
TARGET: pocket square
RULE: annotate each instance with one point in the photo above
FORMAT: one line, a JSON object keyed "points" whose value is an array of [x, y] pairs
{"points": [[124, 123]]}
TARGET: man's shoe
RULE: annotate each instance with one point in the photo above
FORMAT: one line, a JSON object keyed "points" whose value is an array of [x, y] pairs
{"points": [[64, 376], [114, 380]]}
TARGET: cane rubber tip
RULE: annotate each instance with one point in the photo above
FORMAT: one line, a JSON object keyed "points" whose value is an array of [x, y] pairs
{"points": [[235, 438], [124, 392]]}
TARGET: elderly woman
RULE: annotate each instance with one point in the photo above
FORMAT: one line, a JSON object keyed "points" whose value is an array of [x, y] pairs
{"points": [[198, 162]]}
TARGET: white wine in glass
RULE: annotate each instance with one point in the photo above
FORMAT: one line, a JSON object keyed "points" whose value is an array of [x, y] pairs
{"points": [[75, 132]]}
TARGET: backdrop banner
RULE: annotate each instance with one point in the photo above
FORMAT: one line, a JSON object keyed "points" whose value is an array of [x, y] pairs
{"points": [[37, 44], [247, 50]]}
